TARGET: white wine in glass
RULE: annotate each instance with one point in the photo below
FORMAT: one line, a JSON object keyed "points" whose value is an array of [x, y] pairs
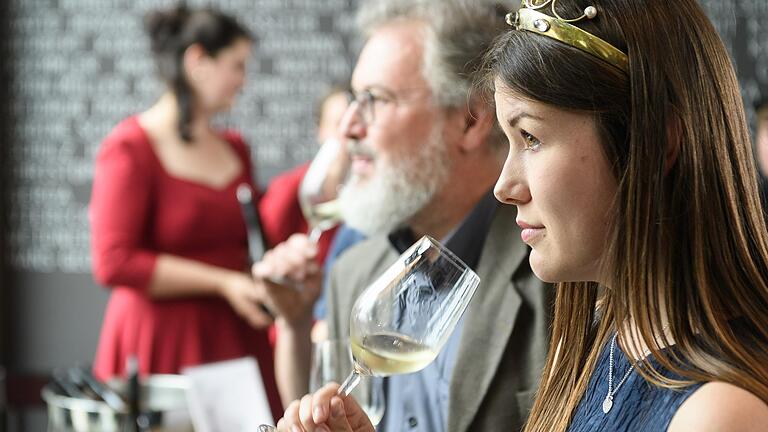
{"points": [[320, 216], [401, 322], [331, 361], [387, 354]]}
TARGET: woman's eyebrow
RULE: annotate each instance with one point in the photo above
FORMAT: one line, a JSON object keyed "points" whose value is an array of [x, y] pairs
{"points": [[512, 122]]}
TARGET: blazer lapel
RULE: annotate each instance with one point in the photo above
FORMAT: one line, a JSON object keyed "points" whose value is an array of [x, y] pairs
{"points": [[489, 319]]}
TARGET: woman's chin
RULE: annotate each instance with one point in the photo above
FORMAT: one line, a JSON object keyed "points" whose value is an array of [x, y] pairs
{"points": [[547, 269], [542, 270]]}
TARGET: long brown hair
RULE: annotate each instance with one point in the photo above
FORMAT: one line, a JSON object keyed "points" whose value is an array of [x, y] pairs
{"points": [[688, 240]]}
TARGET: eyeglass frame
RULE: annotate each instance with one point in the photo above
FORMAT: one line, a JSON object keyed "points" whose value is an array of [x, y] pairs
{"points": [[364, 102]]}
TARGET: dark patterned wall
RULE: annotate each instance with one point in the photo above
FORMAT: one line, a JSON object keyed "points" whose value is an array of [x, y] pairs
{"points": [[82, 65], [743, 25], [5, 280]]}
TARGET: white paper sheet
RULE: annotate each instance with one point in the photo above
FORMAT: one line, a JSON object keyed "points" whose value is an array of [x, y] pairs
{"points": [[228, 396]]}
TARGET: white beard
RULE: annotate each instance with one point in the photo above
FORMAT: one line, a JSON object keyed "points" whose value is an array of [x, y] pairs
{"points": [[398, 189]]}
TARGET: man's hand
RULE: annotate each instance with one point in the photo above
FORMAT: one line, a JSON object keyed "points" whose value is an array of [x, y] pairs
{"points": [[291, 279]]}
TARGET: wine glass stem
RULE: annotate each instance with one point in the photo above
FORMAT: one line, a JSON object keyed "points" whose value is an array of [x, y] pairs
{"points": [[350, 383], [314, 235]]}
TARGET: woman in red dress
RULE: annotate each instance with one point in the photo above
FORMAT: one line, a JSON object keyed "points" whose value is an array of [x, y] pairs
{"points": [[168, 237]]}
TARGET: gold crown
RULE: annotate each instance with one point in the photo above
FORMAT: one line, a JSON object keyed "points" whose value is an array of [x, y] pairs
{"points": [[530, 19]]}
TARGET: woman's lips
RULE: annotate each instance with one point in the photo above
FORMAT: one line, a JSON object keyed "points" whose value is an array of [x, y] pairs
{"points": [[530, 232]]}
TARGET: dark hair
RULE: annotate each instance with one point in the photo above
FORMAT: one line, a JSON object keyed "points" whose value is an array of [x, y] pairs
{"points": [[687, 241], [174, 30]]}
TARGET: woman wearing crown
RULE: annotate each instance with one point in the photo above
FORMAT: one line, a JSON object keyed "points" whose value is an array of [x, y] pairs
{"points": [[631, 168]]}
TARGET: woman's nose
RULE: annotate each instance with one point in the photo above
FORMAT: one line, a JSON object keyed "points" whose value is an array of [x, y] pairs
{"points": [[511, 187]]}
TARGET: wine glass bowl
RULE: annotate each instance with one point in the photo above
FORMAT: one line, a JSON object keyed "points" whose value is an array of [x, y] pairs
{"points": [[401, 321]]}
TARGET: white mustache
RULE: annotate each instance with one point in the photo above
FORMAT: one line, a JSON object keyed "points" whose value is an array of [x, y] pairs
{"points": [[359, 148]]}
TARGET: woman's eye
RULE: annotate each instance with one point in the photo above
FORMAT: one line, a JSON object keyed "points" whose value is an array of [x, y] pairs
{"points": [[531, 142]]}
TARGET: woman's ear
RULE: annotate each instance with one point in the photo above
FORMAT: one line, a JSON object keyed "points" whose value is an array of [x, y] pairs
{"points": [[192, 60], [674, 139]]}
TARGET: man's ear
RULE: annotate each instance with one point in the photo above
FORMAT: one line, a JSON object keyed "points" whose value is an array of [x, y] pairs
{"points": [[478, 119], [674, 138]]}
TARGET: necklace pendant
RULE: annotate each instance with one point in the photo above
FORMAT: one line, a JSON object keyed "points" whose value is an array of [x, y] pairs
{"points": [[607, 404]]}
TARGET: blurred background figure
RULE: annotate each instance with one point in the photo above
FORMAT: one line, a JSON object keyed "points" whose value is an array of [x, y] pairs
{"points": [[279, 208], [761, 144], [168, 236]]}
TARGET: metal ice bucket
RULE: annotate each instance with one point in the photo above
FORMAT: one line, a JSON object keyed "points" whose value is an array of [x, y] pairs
{"points": [[163, 400]]}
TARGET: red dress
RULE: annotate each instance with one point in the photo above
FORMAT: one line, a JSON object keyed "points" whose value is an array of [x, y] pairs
{"points": [[139, 211]]}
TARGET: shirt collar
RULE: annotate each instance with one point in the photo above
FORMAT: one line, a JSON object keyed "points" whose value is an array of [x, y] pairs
{"points": [[466, 240]]}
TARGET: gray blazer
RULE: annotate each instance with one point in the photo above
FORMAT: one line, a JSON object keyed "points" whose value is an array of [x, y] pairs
{"points": [[506, 328]]}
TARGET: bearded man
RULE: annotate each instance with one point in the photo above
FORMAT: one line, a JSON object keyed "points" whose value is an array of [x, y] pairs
{"points": [[425, 157]]}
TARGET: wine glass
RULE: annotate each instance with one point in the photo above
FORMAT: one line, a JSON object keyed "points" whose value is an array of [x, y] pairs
{"points": [[400, 323], [319, 188], [331, 361]]}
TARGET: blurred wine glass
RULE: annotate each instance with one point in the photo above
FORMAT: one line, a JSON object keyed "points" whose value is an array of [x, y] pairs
{"points": [[320, 186]]}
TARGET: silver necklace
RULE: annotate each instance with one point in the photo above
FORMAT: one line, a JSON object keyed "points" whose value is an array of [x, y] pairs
{"points": [[608, 402]]}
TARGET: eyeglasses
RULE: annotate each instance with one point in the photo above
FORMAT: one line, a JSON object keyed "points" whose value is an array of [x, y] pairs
{"points": [[365, 103], [366, 100]]}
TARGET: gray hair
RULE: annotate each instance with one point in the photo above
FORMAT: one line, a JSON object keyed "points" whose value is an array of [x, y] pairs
{"points": [[458, 32]]}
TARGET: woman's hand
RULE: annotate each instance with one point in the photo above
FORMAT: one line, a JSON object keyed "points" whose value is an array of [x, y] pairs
{"points": [[244, 296], [325, 411]]}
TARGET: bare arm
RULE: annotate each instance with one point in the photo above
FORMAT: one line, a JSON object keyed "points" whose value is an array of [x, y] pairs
{"points": [[175, 277], [293, 261], [293, 352]]}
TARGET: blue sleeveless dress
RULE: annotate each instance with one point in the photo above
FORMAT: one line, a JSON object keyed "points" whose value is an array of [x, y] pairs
{"points": [[637, 405]]}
